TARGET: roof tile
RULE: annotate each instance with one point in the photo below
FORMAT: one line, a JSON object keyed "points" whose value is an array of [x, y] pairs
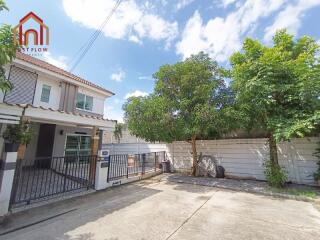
{"points": [[50, 67]]}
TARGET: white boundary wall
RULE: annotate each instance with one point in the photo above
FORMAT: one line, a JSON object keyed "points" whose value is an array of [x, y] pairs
{"points": [[242, 158], [134, 148]]}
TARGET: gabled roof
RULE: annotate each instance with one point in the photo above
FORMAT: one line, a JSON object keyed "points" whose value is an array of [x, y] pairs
{"points": [[52, 68]]}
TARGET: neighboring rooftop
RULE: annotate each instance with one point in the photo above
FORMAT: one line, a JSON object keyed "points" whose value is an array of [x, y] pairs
{"points": [[50, 67]]}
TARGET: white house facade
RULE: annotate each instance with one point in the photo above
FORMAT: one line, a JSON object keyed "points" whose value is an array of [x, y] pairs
{"points": [[65, 111]]}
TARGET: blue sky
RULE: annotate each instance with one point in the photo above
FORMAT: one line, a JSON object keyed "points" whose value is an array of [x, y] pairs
{"points": [[142, 35]]}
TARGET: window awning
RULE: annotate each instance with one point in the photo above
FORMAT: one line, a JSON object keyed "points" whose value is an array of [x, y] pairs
{"points": [[11, 113]]}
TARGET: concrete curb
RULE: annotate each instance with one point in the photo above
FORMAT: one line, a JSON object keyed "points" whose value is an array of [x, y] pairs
{"points": [[264, 193], [123, 181]]}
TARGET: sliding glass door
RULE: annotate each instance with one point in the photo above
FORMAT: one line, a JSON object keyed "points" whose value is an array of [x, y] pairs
{"points": [[77, 146]]}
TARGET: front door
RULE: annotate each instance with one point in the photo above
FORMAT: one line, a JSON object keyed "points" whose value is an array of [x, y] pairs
{"points": [[45, 145]]}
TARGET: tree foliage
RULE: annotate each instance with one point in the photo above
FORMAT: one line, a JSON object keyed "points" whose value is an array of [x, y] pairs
{"points": [[278, 87], [274, 88], [190, 101], [8, 49]]}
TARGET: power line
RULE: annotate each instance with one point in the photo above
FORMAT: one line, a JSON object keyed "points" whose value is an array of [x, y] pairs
{"points": [[89, 43], [93, 38]]}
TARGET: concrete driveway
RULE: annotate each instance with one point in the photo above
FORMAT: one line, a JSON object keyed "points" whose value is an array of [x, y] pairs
{"points": [[157, 209]]}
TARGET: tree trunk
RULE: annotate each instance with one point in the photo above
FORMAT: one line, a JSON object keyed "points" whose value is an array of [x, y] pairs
{"points": [[273, 150], [194, 156]]}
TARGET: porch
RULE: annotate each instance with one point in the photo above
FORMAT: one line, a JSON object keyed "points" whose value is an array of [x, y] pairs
{"points": [[61, 156]]}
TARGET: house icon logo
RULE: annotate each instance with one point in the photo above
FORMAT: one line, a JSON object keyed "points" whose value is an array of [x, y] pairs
{"points": [[32, 33]]}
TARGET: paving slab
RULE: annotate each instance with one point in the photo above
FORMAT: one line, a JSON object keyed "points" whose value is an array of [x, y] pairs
{"points": [[160, 209], [251, 186]]}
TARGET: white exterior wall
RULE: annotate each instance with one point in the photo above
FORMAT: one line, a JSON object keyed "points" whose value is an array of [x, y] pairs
{"points": [[1, 96], [55, 92], [108, 138], [98, 101], [32, 146], [241, 158], [60, 139]]}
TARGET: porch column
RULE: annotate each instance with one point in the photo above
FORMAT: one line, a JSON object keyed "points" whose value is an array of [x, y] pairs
{"points": [[8, 167], [94, 152], [23, 147], [95, 141]]}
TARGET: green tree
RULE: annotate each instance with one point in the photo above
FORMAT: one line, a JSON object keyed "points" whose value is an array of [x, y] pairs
{"points": [[278, 87], [8, 49], [189, 102]]}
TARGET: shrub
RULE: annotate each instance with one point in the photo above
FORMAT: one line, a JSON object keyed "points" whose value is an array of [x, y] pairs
{"points": [[18, 133], [275, 175], [316, 175]]}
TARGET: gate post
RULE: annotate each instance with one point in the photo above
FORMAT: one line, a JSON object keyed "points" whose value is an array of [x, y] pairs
{"points": [[8, 166], [143, 163], [92, 170]]}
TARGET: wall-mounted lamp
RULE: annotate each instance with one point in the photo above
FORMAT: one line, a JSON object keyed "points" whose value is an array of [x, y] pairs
{"points": [[61, 132]]}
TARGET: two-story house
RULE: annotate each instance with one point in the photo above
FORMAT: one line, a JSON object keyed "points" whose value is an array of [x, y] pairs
{"points": [[66, 111], [65, 115]]}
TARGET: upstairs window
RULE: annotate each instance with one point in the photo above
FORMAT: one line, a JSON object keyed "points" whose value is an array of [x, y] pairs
{"points": [[45, 94], [84, 102]]}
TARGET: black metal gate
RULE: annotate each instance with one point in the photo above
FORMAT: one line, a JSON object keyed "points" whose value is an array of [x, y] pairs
{"points": [[126, 165], [42, 178]]}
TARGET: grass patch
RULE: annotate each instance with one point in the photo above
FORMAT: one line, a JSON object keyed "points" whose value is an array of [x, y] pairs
{"points": [[305, 192]]}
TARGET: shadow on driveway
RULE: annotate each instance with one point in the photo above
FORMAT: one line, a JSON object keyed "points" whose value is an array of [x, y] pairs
{"points": [[103, 202]]}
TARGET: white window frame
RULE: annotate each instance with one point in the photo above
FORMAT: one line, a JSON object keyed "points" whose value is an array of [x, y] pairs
{"points": [[78, 150], [48, 87], [85, 100]]}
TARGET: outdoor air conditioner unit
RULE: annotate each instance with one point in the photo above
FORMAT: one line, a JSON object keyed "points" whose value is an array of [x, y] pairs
{"points": [[104, 154]]}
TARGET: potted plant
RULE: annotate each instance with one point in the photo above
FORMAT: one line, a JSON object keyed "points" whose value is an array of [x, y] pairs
{"points": [[14, 135]]}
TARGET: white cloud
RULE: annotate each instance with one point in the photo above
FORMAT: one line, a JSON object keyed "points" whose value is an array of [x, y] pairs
{"points": [[220, 37], [290, 18], [135, 39], [130, 21], [60, 61], [183, 3], [145, 78], [118, 76], [156, 28], [136, 93], [226, 3]]}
